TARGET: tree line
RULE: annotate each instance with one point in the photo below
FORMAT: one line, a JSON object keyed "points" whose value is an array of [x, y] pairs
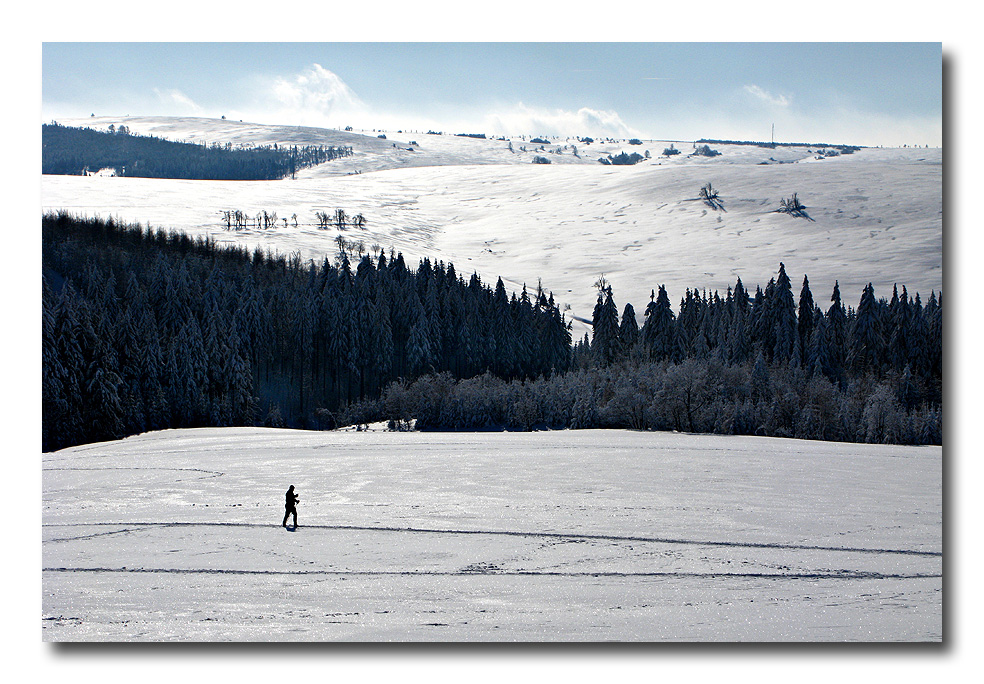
{"points": [[840, 342], [68, 150], [739, 364], [148, 329]]}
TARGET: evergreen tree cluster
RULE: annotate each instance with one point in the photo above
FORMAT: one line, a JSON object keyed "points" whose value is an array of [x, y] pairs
{"points": [[755, 365], [840, 343], [147, 329], [67, 150]]}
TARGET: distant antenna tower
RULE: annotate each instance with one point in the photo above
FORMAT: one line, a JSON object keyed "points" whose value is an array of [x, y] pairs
{"points": [[773, 134]]}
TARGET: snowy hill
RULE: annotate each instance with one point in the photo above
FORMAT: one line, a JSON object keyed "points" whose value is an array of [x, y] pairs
{"points": [[550, 536], [874, 216], [583, 535]]}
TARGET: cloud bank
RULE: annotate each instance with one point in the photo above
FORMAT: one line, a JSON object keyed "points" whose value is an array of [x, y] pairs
{"points": [[319, 97], [767, 97], [523, 119], [314, 97], [174, 97]]}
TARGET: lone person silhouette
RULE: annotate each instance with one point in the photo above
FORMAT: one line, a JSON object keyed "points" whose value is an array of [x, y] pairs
{"points": [[292, 500]]}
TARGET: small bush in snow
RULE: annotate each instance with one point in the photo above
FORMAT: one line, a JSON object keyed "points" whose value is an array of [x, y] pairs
{"points": [[540, 160], [624, 159], [705, 151], [273, 418], [793, 207], [710, 197]]}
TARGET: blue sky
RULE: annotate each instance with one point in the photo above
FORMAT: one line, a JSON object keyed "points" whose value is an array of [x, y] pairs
{"points": [[862, 93]]}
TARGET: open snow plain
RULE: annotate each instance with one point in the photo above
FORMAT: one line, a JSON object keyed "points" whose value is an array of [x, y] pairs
{"points": [[548, 536], [874, 216]]}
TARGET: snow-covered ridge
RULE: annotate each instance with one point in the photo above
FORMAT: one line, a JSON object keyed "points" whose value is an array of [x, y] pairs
{"points": [[447, 148], [875, 215]]}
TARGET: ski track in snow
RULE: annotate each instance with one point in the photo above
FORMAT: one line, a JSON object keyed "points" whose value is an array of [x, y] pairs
{"points": [[504, 537], [563, 536], [515, 573], [513, 533]]}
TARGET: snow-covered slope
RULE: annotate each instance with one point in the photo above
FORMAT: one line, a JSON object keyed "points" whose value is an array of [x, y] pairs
{"points": [[875, 216], [556, 536]]}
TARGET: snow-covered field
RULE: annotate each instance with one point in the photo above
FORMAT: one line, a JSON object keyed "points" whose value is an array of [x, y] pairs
{"points": [[877, 215], [550, 536]]}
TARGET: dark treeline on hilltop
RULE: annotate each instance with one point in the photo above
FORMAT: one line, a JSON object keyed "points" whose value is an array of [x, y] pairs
{"points": [[146, 330], [77, 151], [846, 149]]}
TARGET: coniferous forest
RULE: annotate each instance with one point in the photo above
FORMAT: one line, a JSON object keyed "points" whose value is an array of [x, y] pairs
{"points": [[78, 151], [145, 330]]}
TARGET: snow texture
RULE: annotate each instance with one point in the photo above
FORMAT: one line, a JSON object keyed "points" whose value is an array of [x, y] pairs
{"points": [[549, 536], [877, 214]]}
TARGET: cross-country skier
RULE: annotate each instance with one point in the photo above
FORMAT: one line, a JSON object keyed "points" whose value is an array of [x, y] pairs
{"points": [[292, 500]]}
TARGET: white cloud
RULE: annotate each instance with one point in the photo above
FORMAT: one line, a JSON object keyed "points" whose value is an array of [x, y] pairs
{"points": [[776, 100], [176, 97], [319, 97], [523, 119], [316, 96]]}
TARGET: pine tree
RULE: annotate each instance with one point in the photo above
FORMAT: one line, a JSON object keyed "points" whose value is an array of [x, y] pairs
{"points": [[69, 345], [739, 332], [704, 335], [605, 342], [419, 352], [558, 338], [104, 413], [819, 357], [527, 342], [867, 339], [191, 364], [762, 331], [502, 326], [129, 356], [934, 342], [658, 330], [628, 330], [896, 329], [54, 407], [837, 327], [805, 319], [918, 340], [154, 401], [783, 312]]}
